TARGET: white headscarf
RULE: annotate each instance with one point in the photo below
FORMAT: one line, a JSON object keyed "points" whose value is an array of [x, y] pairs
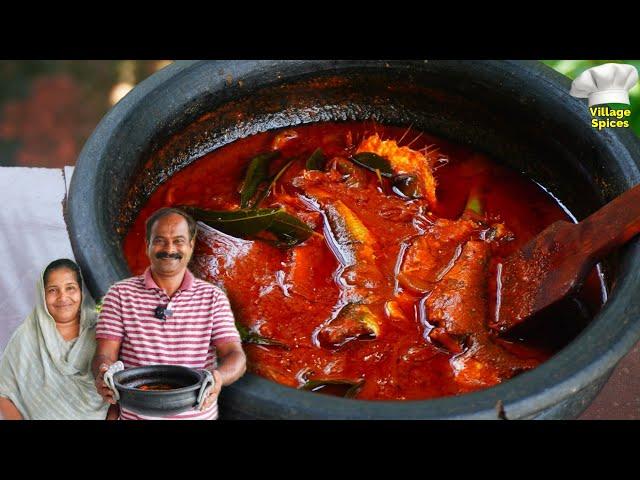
{"points": [[47, 377]]}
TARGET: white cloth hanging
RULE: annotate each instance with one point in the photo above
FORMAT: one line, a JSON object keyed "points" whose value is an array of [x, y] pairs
{"points": [[32, 234]]}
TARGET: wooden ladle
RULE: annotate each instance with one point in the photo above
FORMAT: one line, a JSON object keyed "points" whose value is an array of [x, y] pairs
{"points": [[555, 263]]}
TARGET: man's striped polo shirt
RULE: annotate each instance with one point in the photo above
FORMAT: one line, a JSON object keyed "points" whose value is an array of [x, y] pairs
{"points": [[202, 320]]}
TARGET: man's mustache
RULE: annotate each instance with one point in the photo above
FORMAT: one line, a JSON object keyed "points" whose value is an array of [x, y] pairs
{"points": [[161, 255]]}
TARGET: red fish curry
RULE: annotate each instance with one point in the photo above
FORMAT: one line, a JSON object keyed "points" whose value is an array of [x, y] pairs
{"points": [[364, 261]]}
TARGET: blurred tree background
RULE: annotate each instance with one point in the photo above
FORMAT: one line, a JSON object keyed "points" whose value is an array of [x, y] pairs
{"points": [[573, 68], [48, 108]]}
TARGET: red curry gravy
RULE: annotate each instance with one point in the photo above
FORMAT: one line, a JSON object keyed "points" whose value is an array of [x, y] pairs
{"points": [[389, 298], [157, 386]]}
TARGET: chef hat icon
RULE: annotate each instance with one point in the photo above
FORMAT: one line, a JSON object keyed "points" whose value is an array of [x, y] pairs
{"points": [[608, 83]]}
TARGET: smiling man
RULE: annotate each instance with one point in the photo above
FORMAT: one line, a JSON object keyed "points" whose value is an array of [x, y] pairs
{"points": [[167, 316]]}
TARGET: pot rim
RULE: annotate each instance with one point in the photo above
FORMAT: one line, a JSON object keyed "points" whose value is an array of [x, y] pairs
{"points": [[607, 338]]}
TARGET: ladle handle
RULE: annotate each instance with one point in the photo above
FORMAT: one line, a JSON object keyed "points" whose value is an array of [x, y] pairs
{"points": [[612, 226]]}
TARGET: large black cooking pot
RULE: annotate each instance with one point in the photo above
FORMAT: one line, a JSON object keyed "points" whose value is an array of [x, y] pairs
{"points": [[518, 112]]}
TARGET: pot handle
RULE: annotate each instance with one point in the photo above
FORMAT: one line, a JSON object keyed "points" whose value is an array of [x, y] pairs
{"points": [[108, 377], [205, 388]]}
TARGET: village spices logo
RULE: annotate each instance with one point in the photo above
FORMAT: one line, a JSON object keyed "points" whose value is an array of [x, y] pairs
{"points": [[607, 84], [605, 117]]}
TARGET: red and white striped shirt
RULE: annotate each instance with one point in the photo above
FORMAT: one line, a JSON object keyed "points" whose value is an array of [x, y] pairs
{"points": [[202, 319]]}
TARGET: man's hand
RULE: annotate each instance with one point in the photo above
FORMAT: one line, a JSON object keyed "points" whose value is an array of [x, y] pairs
{"points": [[214, 392], [232, 363], [105, 392]]}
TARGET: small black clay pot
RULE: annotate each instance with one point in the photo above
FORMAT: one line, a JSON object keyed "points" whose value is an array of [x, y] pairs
{"points": [[186, 383], [518, 112]]}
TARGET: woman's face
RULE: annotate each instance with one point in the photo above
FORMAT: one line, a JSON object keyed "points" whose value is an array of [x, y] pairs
{"points": [[63, 296]]}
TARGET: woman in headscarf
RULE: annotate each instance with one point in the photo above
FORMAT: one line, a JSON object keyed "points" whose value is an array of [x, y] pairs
{"points": [[45, 371]]}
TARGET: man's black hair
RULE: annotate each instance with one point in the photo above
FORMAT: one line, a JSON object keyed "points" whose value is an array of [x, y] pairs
{"points": [[163, 212], [63, 263]]}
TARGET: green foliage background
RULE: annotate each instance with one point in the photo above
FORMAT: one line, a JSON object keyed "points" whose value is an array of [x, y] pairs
{"points": [[573, 68]]}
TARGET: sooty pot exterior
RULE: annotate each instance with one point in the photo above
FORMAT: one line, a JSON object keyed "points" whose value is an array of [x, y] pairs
{"points": [[159, 402]]}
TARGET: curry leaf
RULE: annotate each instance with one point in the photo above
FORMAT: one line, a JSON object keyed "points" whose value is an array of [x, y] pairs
{"points": [[248, 336], [263, 194], [406, 186], [475, 202], [289, 229], [237, 222], [373, 162], [474, 205], [316, 161], [257, 172], [352, 391]]}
